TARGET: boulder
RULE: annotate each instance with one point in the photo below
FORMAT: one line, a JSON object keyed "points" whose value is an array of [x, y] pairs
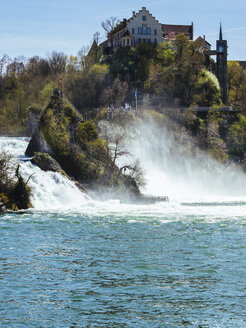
{"points": [[46, 163], [37, 144]]}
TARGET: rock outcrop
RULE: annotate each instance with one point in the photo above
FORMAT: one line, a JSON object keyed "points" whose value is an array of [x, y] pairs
{"points": [[37, 142], [71, 145], [46, 162]]}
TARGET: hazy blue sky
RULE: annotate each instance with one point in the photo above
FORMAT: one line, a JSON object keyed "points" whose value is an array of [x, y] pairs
{"points": [[36, 27]]}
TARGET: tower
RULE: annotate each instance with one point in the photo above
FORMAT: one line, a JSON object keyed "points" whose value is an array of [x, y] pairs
{"points": [[221, 66]]}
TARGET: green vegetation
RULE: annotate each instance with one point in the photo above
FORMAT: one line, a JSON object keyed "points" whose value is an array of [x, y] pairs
{"points": [[168, 75], [166, 71], [14, 191], [76, 146]]}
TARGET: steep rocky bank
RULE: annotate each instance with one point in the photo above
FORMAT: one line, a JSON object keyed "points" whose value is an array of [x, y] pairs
{"points": [[72, 145]]}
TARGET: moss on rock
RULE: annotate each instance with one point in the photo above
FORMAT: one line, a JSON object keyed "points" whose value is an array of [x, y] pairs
{"points": [[46, 162], [75, 145]]}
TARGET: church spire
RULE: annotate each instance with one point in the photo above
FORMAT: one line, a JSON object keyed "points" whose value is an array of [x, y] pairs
{"points": [[221, 38]]}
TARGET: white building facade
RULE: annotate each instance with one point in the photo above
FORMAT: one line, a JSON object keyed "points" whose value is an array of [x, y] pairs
{"points": [[144, 27]]}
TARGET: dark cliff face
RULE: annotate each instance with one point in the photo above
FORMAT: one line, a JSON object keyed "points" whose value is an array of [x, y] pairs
{"points": [[62, 133], [33, 118], [37, 142]]}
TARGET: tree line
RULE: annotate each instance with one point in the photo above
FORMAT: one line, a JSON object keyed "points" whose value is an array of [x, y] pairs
{"points": [[176, 74]]}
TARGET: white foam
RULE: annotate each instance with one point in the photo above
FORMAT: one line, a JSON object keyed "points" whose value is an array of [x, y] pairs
{"points": [[53, 191], [50, 190], [180, 177]]}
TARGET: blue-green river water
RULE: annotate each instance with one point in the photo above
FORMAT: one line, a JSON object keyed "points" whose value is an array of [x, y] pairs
{"points": [[159, 270], [75, 262]]}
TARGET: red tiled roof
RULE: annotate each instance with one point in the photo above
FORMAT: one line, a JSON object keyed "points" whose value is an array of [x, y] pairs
{"points": [[119, 27], [177, 29]]}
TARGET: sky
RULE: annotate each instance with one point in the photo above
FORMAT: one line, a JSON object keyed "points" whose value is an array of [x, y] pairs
{"points": [[37, 27]]}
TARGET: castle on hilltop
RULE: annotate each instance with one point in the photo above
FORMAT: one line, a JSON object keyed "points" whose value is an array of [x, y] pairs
{"points": [[144, 27]]}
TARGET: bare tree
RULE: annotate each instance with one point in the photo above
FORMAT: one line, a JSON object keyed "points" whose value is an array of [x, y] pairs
{"points": [[117, 150], [110, 24], [97, 37], [135, 172], [82, 56], [17, 66], [4, 60], [57, 62]]}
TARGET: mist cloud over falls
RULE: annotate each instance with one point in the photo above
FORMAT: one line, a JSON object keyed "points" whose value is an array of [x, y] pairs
{"points": [[174, 166]]}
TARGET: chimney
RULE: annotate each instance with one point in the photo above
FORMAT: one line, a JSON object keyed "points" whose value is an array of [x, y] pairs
{"points": [[134, 13]]}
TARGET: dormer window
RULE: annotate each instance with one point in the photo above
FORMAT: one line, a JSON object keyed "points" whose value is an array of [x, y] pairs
{"points": [[144, 18]]}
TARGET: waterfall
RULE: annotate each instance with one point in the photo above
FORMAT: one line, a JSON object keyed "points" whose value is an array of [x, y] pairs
{"points": [[50, 190], [182, 181], [168, 170]]}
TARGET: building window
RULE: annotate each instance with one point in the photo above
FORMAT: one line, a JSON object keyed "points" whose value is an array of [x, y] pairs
{"points": [[155, 41], [149, 40], [133, 31], [144, 29], [128, 42], [139, 40], [123, 42], [144, 18], [155, 32]]}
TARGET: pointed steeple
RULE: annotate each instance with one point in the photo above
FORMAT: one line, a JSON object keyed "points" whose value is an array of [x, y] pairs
{"points": [[221, 38], [221, 63]]}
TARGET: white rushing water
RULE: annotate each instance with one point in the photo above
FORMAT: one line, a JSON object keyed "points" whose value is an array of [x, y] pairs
{"points": [[182, 178], [52, 191]]}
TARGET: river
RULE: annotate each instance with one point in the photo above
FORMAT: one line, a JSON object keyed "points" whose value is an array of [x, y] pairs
{"points": [[72, 261]]}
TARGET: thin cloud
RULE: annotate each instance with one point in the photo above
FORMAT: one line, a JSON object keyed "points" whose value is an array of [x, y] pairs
{"points": [[229, 30]]}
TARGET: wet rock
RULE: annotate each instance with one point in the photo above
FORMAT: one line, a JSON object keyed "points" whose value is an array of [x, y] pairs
{"points": [[46, 162], [34, 114], [37, 144]]}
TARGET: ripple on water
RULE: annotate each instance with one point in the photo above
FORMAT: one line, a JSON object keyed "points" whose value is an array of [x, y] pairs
{"points": [[119, 269]]}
